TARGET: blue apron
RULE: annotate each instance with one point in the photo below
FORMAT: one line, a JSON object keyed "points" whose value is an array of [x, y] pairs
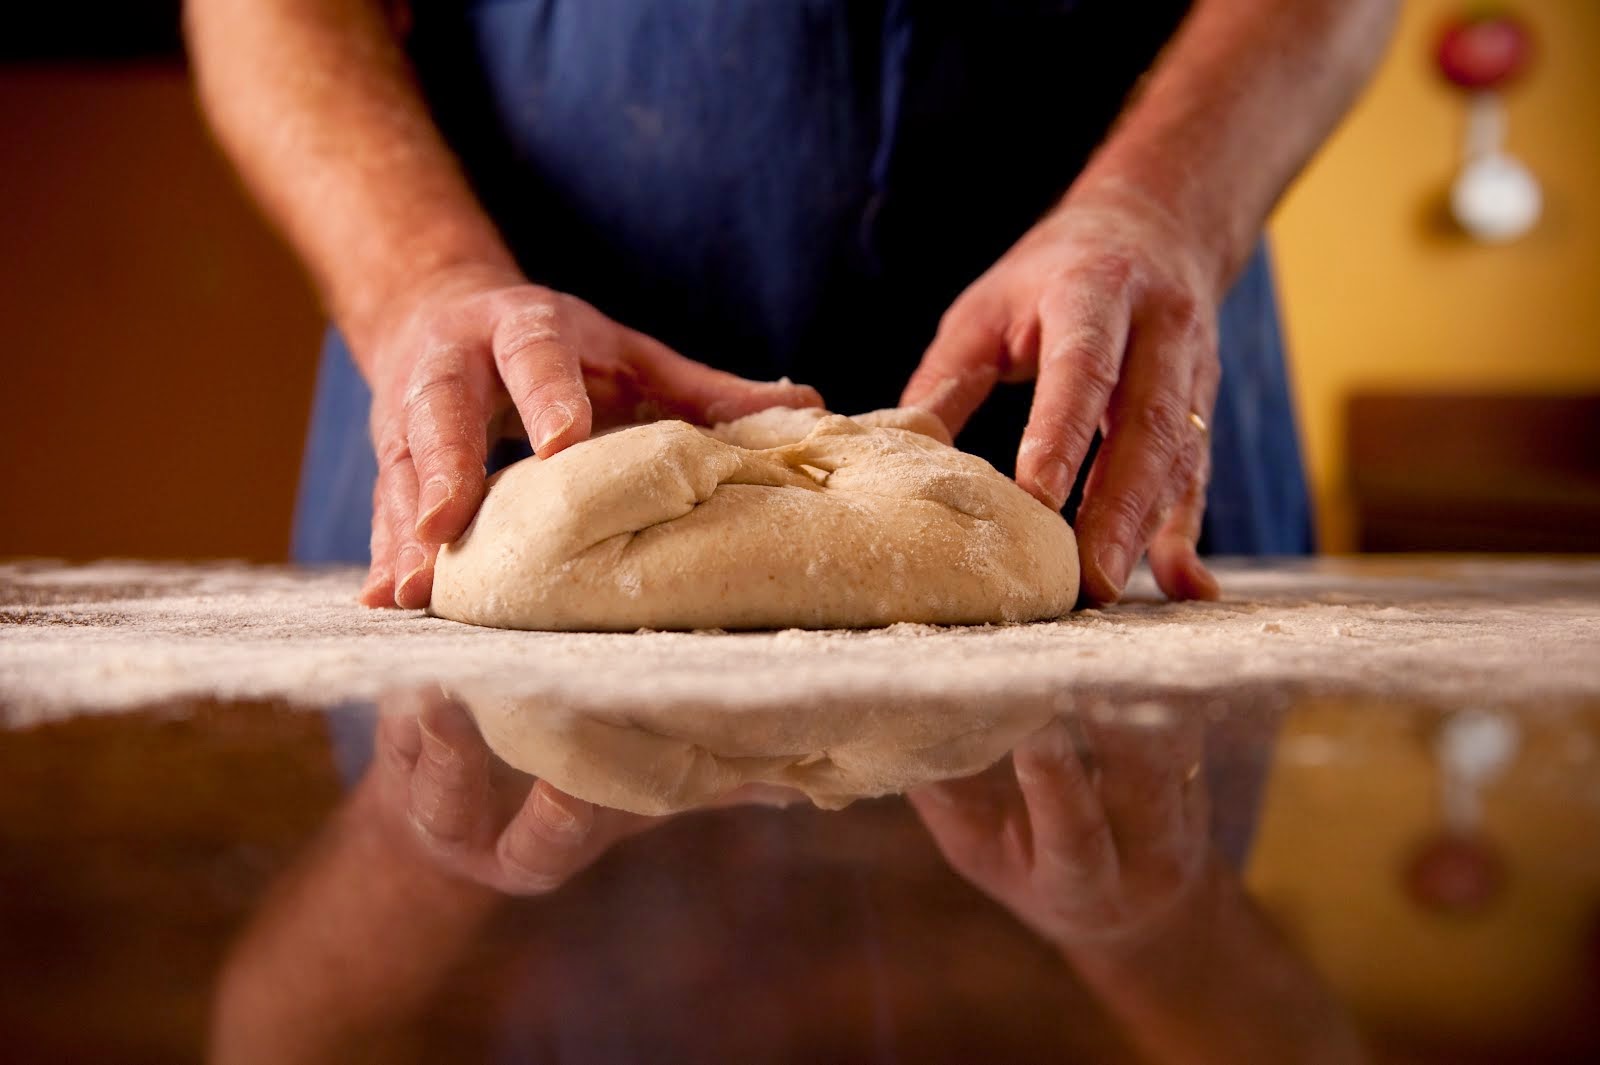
{"points": [[798, 187]]}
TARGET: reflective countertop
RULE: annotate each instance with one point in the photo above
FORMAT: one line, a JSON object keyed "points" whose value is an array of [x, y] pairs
{"points": [[1352, 812]]}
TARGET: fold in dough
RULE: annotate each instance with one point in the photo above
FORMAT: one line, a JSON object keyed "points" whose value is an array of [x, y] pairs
{"points": [[783, 519]]}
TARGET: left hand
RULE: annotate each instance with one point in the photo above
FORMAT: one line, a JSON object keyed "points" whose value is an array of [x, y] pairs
{"points": [[1112, 305]]}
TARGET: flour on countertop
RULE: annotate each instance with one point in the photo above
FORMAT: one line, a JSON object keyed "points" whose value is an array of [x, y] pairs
{"points": [[118, 635]]}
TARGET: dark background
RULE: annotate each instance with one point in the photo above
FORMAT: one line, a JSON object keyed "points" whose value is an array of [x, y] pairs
{"points": [[92, 29]]}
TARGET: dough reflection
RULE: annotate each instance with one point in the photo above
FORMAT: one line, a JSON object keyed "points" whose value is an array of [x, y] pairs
{"points": [[458, 909], [674, 754]]}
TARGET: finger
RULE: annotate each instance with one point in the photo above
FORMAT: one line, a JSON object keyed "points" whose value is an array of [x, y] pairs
{"points": [[449, 803], [979, 823], [543, 376], [548, 841], [690, 390], [1150, 765], [1174, 554], [1072, 839], [1083, 334], [397, 481], [1151, 450], [378, 591], [447, 411], [959, 369]]}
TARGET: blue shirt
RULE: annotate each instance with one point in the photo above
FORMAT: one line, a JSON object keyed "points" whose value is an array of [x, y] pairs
{"points": [[799, 188]]}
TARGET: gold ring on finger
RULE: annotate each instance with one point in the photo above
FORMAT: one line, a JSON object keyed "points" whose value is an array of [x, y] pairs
{"points": [[1199, 423]]}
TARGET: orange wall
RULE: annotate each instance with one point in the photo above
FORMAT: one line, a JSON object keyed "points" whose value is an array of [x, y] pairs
{"points": [[1380, 292], [159, 344]]}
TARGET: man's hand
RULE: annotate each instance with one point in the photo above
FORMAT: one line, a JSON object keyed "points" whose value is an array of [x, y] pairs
{"points": [[1090, 859], [316, 102], [1112, 307], [1111, 300], [478, 353], [437, 789], [1104, 850]]}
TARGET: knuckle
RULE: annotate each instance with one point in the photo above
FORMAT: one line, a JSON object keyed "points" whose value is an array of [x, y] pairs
{"points": [[440, 832], [536, 394], [1163, 420], [393, 447], [427, 392], [1190, 318], [527, 329], [1051, 438], [1112, 269], [530, 876], [1124, 511], [1188, 465], [529, 882], [1091, 358]]}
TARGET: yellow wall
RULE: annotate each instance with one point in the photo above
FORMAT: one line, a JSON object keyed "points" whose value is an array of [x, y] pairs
{"points": [[1367, 777], [1381, 292]]}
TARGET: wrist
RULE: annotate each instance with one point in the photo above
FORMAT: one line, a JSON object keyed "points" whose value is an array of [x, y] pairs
{"points": [[374, 301], [1211, 245]]}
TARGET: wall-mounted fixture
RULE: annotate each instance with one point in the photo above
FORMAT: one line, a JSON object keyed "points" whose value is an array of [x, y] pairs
{"points": [[1495, 198]]}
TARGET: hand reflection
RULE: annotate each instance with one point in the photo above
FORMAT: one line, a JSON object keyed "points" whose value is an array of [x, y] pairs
{"points": [[1103, 848], [357, 943], [1085, 848], [440, 786]]}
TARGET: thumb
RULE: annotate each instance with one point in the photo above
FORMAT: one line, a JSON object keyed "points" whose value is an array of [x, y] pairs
{"points": [[697, 393]]}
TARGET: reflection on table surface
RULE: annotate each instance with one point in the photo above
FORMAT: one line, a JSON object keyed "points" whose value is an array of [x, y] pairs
{"points": [[1262, 880]]}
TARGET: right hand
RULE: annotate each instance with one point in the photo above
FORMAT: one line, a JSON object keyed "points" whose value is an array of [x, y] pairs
{"points": [[477, 353]]}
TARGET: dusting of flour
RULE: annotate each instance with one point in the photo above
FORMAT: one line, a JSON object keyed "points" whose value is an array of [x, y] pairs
{"points": [[119, 635]]}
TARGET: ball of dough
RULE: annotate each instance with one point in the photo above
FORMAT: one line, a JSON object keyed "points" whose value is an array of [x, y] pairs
{"points": [[783, 519]]}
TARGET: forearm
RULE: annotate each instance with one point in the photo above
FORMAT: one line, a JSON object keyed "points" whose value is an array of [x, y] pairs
{"points": [[1234, 108], [348, 949], [1217, 983], [315, 102]]}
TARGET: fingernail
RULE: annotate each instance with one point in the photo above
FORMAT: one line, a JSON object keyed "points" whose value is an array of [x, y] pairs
{"points": [[1055, 480], [435, 494], [555, 420], [560, 813], [1113, 562], [408, 563]]}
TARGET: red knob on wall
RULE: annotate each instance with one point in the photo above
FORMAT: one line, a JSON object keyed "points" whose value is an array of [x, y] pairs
{"points": [[1485, 49]]}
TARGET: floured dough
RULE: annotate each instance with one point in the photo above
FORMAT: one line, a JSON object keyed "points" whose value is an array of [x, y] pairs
{"points": [[783, 519], [668, 754]]}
